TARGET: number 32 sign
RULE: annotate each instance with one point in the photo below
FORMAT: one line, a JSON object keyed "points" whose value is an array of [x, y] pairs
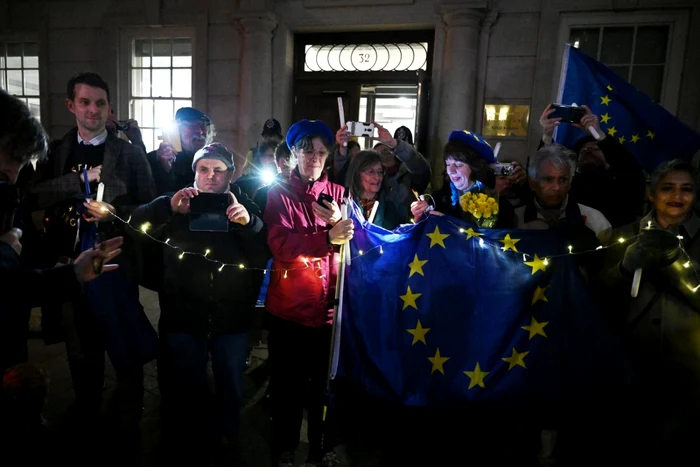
{"points": [[364, 57]]}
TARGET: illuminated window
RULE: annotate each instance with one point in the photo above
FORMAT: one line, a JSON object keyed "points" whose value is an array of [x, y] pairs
{"points": [[161, 83], [19, 72], [635, 52], [366, 57]]}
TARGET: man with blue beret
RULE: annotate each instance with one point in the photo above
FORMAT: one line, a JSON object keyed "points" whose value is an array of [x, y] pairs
{"points": [[172, 165]]}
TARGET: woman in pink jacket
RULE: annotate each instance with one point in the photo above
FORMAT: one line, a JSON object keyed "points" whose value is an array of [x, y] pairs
{"points": [[304, 230]]}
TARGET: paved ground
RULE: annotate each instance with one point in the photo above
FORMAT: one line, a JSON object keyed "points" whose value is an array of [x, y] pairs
{"points": [[256, 422]]}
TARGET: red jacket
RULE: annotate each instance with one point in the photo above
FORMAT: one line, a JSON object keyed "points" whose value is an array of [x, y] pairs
{"points": [[300, 251]]}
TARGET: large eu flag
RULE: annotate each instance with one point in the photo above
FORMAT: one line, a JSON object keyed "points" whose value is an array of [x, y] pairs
{"points": [[441, 313], [643, 127]]}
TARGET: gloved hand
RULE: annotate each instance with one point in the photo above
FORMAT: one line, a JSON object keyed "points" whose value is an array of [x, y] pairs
{"points": [[655, 248]]}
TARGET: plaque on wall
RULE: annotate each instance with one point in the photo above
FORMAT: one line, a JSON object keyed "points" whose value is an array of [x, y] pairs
{"points": [[506, 120]]}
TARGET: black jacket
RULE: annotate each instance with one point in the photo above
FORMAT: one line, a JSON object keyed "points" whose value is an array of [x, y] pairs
{"points": [[197, 296], [180, 176]]}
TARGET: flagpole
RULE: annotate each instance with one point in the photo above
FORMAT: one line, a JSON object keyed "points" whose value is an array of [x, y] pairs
{"points": [[336, 326]]}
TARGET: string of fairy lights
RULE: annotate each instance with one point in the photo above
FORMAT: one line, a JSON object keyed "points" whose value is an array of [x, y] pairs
{"points": [[469, 232]]}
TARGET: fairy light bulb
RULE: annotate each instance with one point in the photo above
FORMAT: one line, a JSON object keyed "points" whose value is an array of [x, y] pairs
{"points": [[128, 220], [461, 230], [381, 250], [360, 252], [687, 264], [546, 262], [222, 267], [695, 289], [167, 241], [182, 255], [285, 274], [481, 242], [145, 227], [621, 240], [648, 225], [241, 266], [570, 248], [207, 252]]}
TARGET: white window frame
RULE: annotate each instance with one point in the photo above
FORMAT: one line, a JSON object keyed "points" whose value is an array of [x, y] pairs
{"points": [[43, 83], [677, 21], [127, 38]]}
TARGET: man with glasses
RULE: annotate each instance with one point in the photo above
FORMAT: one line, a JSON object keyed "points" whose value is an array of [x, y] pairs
{"points": [[172, 170], [607, 177]]}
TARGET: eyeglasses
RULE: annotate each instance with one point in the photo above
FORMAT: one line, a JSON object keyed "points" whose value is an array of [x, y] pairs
{"points": [[310, 154], [378, 173]]}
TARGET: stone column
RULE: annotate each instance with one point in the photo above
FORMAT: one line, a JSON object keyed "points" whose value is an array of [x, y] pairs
{"points": [[255, 101], [459, 70]]}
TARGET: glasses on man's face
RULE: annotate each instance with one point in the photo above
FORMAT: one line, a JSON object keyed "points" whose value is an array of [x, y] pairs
{"points": [[376, 173], [321, 154]]}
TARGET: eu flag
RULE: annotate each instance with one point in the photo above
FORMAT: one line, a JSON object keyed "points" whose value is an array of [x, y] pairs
{"points": [[643, 127], [441, 313]]}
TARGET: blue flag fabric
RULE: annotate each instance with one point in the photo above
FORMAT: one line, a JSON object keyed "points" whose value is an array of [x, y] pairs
{"points": [[439, 314], [644, 128]]}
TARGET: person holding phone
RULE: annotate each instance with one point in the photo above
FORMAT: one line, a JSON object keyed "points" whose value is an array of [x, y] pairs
{"points": [[304, 232], [207, 301]]}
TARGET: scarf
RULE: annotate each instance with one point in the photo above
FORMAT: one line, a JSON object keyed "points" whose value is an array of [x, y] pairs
{"points": [[551, 216]]}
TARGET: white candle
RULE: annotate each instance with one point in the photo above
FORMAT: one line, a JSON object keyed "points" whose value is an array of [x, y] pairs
{"points": [[100, 191]]}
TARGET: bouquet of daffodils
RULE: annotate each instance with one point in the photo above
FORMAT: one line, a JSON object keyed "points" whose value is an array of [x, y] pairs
{"points": [[481, 207]]}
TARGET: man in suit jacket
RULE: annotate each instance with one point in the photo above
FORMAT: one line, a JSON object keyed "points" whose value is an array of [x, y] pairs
{"points": [[90, 151]]}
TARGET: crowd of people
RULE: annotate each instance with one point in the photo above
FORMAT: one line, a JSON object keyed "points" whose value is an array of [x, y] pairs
{"points": [[80, 260]]}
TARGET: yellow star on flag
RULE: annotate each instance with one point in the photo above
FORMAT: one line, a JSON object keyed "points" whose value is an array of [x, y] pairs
{"points": [[621, 139], [471, 233], [612, 131], [609, 87], [437, 238], [516, 359], [539, 295], [605, 117], [605, 100], [534, 328], [467, 132], [509, 243], [537, 265], [437, 361], [410, 299], [418, 333], [635, 138], [477, 377], [650, 134], [417, 266]]}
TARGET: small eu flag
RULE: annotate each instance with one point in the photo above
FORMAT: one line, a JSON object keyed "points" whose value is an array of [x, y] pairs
{"points": [[643, 127]]}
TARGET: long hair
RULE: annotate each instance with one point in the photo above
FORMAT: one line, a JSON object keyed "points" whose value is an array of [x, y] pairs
{"points": [[360, 162]]}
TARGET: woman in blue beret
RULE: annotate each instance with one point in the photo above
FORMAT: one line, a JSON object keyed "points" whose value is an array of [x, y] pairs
{"points": [[366, 181], [304, 233], [467, 158]]}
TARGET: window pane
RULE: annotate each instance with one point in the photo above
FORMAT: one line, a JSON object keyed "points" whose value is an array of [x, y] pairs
{"points": [[623, 71], [617, 46], [161, 52], [161, 83], [147, 135], [142, 53], [586, 40], [651, 44], [141, 82], [2, 55], [14, 55], [31, 82], [182, 52], [182, 83], [182, 103], [143, 112], [31, 55], [3, 84], [34, 107], [649, 80], [164, 113], [362, 114], [14, 82]]}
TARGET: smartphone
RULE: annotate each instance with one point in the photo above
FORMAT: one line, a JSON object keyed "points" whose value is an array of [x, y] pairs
{"points": [[171, 135], [324, 197], [502, 169], [361, 128], [568, 113], [208, 212], [123, 125]]}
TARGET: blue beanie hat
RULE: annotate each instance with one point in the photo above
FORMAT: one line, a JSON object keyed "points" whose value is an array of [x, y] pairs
{"points": [[309, 127]]}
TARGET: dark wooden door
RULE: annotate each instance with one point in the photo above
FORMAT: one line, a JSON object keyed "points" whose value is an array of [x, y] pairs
{"points": [[319, 101]]}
